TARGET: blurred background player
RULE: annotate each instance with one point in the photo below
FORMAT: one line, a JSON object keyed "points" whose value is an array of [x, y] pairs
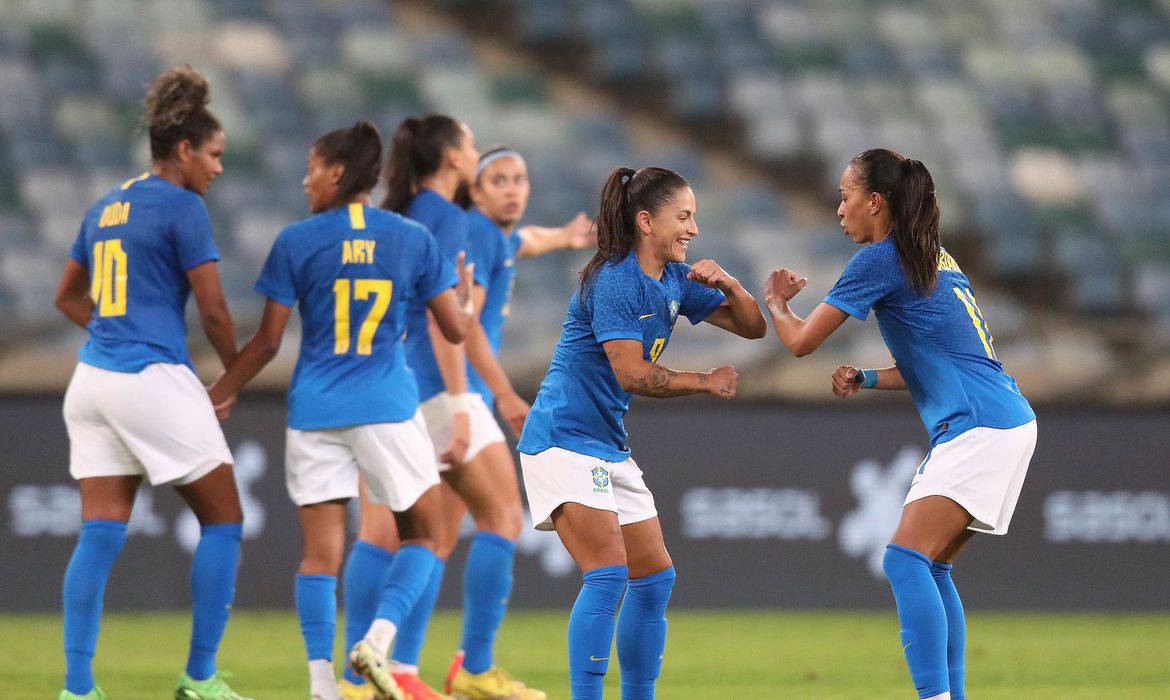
{"points": [[353, 405], [134, 406], [500, 196], [982, 430], [578, 473]]}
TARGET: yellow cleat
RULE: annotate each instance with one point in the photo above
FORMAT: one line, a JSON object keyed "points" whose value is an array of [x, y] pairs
{"points": [[367, 661], [352, 691], [493, 684]]}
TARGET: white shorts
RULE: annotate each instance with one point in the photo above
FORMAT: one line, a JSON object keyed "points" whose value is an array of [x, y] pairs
{"points": [[484, 429], [982, 470], [556, 476], [396, 459], [158, 423]]}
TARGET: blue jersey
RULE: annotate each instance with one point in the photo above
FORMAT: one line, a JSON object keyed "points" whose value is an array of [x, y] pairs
{"points": [[138, 242], [353, 271], [495, 255], [581, 405], [941, 343], [448, 225]]}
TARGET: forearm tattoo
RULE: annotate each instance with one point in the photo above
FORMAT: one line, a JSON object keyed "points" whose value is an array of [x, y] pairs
{"points": [[658, 381]]}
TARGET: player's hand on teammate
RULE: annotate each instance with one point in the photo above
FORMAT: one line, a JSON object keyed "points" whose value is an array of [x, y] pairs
{"points": [[580, 232], [845, 382], [514, 411], [222, 404], [708, 273], [781, 286], [723, 382], [456, 453], [466, 280]]}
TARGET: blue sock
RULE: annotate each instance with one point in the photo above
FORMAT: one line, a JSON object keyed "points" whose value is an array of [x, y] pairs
{"points": [[213, 585], [956, 628], [365, 577], [408, 643], [923, 619], [85, 582], [487, 583], [408, 575], [316, 596], [641, 633], [591, 630]]}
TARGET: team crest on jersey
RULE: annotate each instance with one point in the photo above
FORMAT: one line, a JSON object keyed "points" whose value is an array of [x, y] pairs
{"points": [[600, 478], [673, 311]]}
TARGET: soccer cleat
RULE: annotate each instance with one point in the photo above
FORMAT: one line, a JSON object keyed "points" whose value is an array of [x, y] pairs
{"points": [[214, 688], [95, 694], [352, 691], [367, 661], [492, 684], [415, 689]]}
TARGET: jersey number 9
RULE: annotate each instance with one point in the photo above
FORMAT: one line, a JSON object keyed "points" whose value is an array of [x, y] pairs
{"points": [[362, 289], [108, 284]]}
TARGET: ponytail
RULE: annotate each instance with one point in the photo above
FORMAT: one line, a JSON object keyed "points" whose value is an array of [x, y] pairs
{"points": [[359, 149], [417, 151], [908, 188], [625, 193]]}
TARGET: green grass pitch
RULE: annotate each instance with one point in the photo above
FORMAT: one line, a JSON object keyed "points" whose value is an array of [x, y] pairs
{"points": [[711, 655]]}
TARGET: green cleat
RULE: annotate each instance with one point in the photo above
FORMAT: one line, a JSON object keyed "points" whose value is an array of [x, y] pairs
{"points": [[366, 660], [214, 688], [95, 694]]}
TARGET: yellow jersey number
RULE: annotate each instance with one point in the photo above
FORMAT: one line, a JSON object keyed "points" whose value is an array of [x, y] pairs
{"points": [[108, 283], [362, 289], [656, 349], [977, 320]]}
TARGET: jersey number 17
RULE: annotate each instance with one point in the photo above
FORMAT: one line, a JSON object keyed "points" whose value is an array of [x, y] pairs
{"points": [[361, 289]]}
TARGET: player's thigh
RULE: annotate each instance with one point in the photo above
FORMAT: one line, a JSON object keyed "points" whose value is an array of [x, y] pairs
{"points": [[108, 497], [645, 548], [422, 523], [323, 533], [930, 524], [376, 523], [453, 509], [488, 485], [951, 551], [591, 535], [213, 497]]}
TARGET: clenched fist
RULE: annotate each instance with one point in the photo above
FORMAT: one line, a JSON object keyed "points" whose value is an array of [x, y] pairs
{"points": [[723, 382], [782, 285], [708, 273]]}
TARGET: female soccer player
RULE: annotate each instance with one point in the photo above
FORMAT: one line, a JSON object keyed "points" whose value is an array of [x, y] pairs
{"points": [[982, 430], [353, 406], [134, 406], [578, 473]]}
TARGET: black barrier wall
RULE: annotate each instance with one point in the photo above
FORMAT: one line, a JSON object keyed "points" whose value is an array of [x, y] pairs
{"points": [[762, 505]]}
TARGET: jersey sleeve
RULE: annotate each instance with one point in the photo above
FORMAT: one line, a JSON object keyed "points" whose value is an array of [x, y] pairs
{"points": [[276, 278], [191, 228], [616, 302], [79, 251], [436, 274], [871, 276], [697, 302]]}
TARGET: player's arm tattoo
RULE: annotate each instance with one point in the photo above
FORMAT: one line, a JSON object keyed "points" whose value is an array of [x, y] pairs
{"points": [[657, 381]]}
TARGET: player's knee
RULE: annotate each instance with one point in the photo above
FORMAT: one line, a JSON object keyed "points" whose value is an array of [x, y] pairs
{"points": [[319, 563]]}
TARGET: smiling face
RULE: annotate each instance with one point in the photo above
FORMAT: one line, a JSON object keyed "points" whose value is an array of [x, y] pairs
{"points": [[320, 182], [667, 232], [200, 165], [864, 215], [501, 192]]}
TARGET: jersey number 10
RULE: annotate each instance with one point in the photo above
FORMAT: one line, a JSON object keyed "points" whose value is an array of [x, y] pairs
{"points": [[108, 284], [362, 289]]}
